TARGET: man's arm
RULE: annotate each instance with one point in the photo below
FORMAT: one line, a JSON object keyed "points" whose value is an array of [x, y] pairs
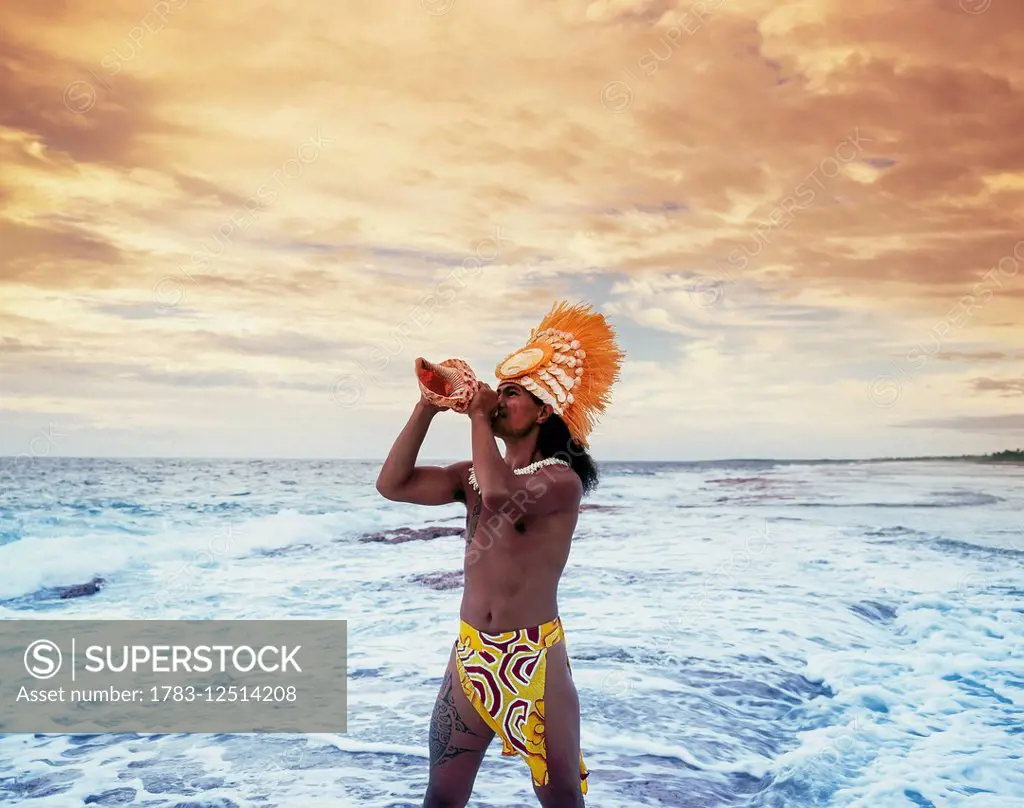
{"points": [[401, 480], [549, 489]]}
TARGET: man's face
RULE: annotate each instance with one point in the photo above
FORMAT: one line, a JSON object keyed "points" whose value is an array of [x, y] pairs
{"points": [[517, 412]]}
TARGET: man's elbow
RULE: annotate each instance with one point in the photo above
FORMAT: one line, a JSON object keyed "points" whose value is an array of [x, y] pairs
{"points": [[386, 491]]}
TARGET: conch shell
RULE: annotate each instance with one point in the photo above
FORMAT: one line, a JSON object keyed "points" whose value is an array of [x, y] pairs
{"points": [[450, 384]]}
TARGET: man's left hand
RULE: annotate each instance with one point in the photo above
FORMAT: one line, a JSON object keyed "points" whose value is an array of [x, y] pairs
{"points": [[484, 402]]}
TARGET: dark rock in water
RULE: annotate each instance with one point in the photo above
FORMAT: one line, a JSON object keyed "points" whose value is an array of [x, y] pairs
{"points": [[116, 796], [404, 534], [593, 506], [740, 480], [968, 549], [79, 590], [896, 530], [278, 552], [874, 612], [439, 580]]}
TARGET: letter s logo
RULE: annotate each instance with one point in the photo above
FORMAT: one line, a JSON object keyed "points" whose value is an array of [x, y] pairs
{"points": [[43, 659]]}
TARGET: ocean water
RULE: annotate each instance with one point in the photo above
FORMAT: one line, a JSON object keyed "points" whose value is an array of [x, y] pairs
{"points": [[741, 634]]}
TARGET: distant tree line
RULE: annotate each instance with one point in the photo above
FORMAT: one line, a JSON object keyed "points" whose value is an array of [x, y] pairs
{"points": [[1006, 454]]}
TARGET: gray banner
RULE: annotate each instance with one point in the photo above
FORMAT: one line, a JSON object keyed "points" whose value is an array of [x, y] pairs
{"points": [[173, 676]]}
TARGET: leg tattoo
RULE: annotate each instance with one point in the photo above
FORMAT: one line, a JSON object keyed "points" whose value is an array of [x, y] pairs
{"points": [[444, 723]]}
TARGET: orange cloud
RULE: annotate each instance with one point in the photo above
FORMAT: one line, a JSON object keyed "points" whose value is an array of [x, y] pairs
{"points": [[226, 181]]}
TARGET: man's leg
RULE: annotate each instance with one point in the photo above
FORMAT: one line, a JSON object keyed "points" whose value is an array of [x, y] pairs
{"points": [[561, 734], [458, 740]]}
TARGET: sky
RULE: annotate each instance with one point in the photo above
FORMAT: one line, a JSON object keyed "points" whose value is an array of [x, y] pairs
{"points": [[230, 233]]}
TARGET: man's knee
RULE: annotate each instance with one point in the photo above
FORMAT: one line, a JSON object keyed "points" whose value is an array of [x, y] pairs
{"points": [[441, 798], [560, 795]]}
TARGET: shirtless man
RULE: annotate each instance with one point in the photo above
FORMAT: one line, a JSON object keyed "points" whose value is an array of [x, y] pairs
{"points": [[509, 672]]}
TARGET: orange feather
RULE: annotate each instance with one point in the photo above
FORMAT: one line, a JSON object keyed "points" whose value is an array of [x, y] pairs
{"points": [[601, 366]]}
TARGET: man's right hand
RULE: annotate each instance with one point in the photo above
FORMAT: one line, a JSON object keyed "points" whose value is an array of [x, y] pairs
{"points": [[484, 402]]}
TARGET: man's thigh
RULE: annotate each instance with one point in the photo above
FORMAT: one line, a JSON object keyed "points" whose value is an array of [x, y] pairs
{"points": [[561, 729], [458, 739]]}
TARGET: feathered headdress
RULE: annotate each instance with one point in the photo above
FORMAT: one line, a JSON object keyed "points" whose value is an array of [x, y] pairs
{"points": [[571, 362]]}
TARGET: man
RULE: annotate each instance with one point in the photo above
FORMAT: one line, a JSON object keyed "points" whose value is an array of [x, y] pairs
{"points": [[508, 672]]}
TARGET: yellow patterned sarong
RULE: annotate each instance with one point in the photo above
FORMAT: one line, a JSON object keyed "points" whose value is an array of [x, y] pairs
{"points": [[502, 676]]}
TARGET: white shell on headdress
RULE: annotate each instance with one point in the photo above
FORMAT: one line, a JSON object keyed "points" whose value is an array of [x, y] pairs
{"points": [[554, 363]]}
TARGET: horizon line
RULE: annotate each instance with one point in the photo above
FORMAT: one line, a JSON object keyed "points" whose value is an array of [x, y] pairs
{"points": [[455, 460]]}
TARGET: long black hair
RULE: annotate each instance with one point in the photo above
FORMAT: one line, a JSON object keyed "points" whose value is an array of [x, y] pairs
{"points": [[554, 440]]}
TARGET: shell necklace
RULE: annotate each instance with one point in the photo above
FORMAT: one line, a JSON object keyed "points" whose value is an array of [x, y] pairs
{"points": [[547, 461]]}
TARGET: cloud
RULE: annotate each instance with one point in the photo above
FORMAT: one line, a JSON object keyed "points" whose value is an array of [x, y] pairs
{"points": [[286, 344], [1008, 387], [868, 178], [976, 356], [44, 88], [1013, 422], [12, 345], [42, 256], [769, 198]]}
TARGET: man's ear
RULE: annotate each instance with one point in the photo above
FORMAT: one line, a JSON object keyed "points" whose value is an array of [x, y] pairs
{"points": [[544, 414]]}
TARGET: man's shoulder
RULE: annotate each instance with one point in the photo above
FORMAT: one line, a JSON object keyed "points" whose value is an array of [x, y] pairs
{"points": [[565, 478], [561, 470]]}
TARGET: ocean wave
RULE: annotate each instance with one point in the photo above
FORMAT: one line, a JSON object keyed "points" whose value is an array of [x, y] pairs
{"points": [[737, 669], [35, 564], [969, 548], [962, 501]]}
